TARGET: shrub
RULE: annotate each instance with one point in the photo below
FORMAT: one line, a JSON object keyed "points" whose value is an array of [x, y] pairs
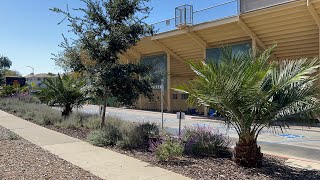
{"points": [[12, 136], [203, 141], [28, 99], [137, 136], [109, 135], [29, 115], [51, 117], [92, 122], [169, 150], [74, 121], [154, 143]]}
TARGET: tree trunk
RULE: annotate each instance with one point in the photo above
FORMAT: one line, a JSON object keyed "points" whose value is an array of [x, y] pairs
{"points": [[247, 152], [66, 110], [103, 117]]}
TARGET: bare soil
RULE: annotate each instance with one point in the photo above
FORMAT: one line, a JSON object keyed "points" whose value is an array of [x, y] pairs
{"points": [[20, 159]]}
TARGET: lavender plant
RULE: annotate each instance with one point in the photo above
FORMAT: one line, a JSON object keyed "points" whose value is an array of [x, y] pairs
{"points": [[205, 141]]}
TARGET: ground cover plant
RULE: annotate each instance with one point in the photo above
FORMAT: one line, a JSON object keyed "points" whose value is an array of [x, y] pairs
{"points": [[205, 141], [30, 108], [253, 93]]}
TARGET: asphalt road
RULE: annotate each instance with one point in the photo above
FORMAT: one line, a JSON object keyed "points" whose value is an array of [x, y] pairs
{"points": [[298, 142]]}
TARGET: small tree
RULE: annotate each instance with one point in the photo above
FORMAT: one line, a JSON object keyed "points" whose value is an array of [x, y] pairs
{"points": [[105, 30], [66, 91], [253, 93], [5, 63]]}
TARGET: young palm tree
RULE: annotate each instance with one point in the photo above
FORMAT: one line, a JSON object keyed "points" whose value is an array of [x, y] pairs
{"points": [[66, 92], [254, 93]]}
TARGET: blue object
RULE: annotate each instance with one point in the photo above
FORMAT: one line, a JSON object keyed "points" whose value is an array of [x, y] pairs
{"points": [[290, 136], [192, 111], [212, 112]]}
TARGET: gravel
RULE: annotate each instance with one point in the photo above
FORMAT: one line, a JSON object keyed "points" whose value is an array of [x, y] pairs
{"points": [[226, 169], [20, 159]]}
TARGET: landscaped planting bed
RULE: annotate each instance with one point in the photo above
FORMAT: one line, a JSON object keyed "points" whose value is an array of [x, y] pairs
{"points": [[200, 162], [20, 159], [207, 168]]}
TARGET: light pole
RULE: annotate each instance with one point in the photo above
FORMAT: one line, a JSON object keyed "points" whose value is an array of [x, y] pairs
{"points": [[31, 68]]}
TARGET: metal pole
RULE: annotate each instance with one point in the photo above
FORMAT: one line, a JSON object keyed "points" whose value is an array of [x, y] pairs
{"points": [[31, 68], [180, 125], [162, 93]]}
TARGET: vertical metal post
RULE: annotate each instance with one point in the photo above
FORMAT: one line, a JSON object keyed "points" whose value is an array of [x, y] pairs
{"points": [[239, 6], [180, 124], [162, 93]]}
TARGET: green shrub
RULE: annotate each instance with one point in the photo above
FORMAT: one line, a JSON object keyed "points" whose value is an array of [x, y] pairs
{"points": [[169, 150], [69, 123], [137, 136], [108, 136], [74, 121], [203, 141], [30, 115], [12, 136], [50, 117], [92, 122]]}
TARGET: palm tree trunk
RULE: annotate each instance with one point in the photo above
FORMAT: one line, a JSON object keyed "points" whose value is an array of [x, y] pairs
{"points": [[247, 152], [103, 117], [66, 110]]}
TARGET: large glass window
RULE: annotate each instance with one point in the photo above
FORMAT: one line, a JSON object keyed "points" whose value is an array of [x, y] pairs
{"points": [[213, 54], [158, 69]]}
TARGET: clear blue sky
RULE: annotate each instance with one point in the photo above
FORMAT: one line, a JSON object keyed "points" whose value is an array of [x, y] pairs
{"points": [[29, 32]]}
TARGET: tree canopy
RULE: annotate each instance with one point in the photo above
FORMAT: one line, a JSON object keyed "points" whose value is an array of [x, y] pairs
{"points": [[5, 63], [106, 29]]}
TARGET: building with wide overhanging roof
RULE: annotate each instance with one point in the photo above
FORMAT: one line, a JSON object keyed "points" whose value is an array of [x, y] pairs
{"points": [[241, 24]]}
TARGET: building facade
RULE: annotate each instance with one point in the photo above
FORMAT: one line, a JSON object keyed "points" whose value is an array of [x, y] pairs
{"points": [[293, 25], [36, 80]]}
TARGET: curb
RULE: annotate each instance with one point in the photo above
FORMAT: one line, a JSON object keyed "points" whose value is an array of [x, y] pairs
{"points": [[290, 157]]}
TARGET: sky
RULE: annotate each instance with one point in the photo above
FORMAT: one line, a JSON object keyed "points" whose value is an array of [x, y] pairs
{"points": [[29, 31]]}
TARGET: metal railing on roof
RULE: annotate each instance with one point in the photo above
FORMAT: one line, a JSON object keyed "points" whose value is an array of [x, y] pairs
{"points": [[208, 14], [220, 11]]}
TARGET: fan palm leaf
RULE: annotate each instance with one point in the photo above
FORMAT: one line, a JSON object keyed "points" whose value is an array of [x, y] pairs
{"points": [[254, 93]]}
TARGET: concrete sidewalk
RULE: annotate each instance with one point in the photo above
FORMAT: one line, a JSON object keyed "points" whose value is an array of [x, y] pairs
{"points": [[99, 161]]}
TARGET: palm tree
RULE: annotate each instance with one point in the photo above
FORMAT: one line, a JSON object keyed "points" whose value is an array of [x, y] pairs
{"points": [[254, 93], [5, 63], [66, 91]]}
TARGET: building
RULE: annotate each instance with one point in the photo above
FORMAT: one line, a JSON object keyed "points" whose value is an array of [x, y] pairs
{"points": [[36, 80], [15, 80], [242, 24]]}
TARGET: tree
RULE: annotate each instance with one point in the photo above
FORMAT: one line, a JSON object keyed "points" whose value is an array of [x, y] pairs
{"points": [[253, 93], [5, 63], [65, 91], [8, 72], [105, 30]]}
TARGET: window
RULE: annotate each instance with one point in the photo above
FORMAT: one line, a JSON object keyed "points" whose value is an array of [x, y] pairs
{"points": [[184, 96], [174, 96], [158, 69], [39, 79], [213, 54]]}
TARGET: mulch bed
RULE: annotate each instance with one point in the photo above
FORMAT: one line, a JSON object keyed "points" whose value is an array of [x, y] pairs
{"points": [[20, 159], [219, 168], [212, 168]]}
